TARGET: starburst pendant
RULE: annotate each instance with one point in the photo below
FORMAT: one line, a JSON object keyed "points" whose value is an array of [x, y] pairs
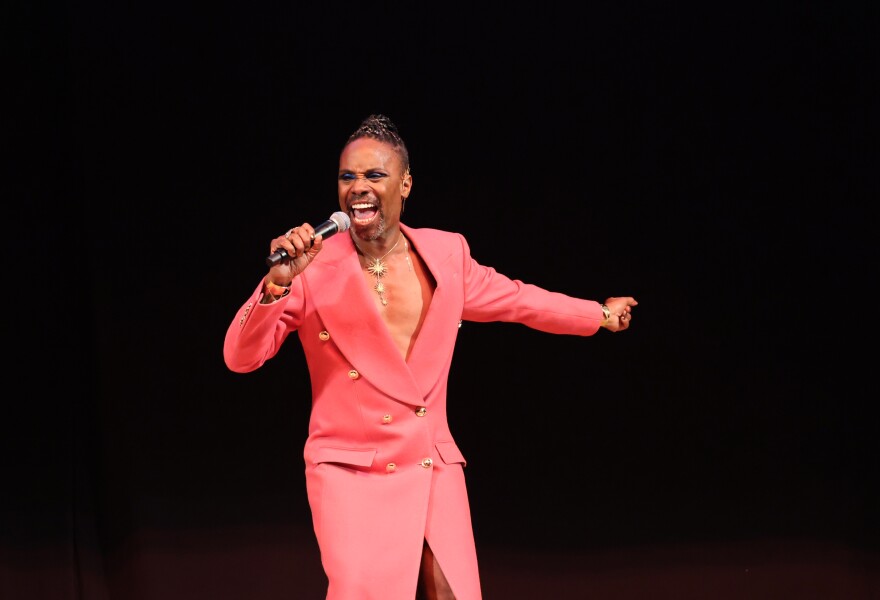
{"points": [[380, 289], [377, 268]]}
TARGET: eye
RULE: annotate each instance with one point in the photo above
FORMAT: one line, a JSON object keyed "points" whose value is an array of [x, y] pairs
{"points": [[375, 175], [347, 177]]}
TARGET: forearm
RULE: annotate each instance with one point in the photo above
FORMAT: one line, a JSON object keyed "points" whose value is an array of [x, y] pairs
{"points": [[258, 330]]}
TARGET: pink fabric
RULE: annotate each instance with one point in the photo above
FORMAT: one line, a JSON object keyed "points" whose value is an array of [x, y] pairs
{"points": [[370, 518]]}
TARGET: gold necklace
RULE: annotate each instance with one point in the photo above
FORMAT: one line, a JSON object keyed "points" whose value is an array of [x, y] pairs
{"points": [[378, 268]]}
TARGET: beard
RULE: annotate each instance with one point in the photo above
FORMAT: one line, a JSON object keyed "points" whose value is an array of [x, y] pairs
{"points": [[374, 231]]}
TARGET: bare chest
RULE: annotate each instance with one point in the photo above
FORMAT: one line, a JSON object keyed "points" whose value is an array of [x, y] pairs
{"points": [[402, 291]]}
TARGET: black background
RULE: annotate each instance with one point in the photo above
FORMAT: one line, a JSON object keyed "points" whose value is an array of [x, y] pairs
{"points": [[715, 161]]}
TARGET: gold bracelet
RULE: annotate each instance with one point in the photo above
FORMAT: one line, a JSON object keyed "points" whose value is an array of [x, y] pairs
{"points": [[606, 313], [275, 290]]}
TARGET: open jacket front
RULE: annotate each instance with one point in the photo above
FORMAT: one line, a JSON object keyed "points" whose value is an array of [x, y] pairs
{"points": [[383, 471]]}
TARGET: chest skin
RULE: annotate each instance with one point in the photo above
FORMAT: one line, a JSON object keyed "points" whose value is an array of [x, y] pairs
{"points": [[407, 288]]}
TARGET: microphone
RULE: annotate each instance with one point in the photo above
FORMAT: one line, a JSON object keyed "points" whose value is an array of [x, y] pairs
{"points": [[337, 222]]}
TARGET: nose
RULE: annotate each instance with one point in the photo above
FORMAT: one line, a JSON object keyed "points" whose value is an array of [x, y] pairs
{"points": [[360, 184]]}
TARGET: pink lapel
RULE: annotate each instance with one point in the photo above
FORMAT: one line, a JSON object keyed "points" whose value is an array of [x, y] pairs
{"points": [[336, 286], [433, 349]]}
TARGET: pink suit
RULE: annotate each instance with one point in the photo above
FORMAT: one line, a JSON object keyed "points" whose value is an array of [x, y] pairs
{"points": [[383, 471]]}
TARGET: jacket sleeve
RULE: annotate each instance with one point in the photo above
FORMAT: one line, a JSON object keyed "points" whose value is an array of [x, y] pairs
{"points": [[491, 296], [258, 330]]}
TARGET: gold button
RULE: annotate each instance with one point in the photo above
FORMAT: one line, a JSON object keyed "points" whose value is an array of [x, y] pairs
{"points": [[427, 463], [386, 419], [324, 336], [422, 411], [353, 374], [390, 467]]}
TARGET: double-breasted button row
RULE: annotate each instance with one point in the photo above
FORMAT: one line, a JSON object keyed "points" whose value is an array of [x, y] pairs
{"points": [[426, 463], [387, 418]]}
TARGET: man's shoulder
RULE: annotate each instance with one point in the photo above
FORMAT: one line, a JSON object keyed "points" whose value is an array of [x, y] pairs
{"points": [[437, 242], [432, 234]]}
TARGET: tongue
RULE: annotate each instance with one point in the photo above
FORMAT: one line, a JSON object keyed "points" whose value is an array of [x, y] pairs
{"points": [[364, 213]]}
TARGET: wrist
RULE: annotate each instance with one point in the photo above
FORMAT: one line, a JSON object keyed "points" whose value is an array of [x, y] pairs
{"points": [[275, 290], [606, 315]]}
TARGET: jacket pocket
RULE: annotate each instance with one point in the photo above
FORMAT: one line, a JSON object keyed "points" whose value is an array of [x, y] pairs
{"points": [[345, 456], [450, 453]]}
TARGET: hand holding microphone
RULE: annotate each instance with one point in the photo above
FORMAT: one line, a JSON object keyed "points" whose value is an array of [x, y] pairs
{"points": [[291, 253], [337, 222]]}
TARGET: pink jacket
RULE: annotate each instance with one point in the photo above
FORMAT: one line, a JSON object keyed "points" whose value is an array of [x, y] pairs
{"points": [[383, 471]]}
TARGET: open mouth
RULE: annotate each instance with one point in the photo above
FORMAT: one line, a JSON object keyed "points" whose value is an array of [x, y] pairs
{"points": [[363, 213]]}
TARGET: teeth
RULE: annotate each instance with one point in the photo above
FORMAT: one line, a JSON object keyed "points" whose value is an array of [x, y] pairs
{"points": [[361, 206]]}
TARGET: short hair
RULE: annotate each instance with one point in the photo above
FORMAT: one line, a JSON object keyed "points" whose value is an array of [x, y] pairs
{"points": [[381, 128]]}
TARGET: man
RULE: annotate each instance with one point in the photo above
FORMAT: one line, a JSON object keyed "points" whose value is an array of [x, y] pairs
{"points": [[377, 312]]}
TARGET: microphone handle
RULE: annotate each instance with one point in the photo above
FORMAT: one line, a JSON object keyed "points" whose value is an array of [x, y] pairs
{"points": [[276, 257], [326, 229]]}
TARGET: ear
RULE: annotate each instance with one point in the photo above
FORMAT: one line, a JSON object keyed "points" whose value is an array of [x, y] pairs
{"points": [[406, 185]]}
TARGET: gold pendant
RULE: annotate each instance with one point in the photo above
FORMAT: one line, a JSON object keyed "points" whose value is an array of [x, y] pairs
{"points": [[377, 268], [380, 289]]}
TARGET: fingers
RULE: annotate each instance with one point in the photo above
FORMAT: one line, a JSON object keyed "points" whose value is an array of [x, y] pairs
{"points": [[621, 306], [626, 312], [295, 241]]}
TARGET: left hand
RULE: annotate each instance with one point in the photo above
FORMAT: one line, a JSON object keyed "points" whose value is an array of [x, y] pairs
{"points": [[621, 312]]}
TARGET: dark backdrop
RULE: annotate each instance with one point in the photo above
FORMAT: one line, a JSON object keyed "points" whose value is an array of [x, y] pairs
{"points": [[716, 161]]}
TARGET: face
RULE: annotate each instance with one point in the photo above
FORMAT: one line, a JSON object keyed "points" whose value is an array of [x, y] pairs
{"points": [[372, 186]]}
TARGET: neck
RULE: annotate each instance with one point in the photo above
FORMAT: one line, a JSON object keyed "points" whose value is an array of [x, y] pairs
{"points": [[379, 246]]}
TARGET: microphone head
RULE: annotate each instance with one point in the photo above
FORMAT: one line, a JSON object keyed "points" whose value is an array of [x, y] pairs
{"points": [[341, 219]]}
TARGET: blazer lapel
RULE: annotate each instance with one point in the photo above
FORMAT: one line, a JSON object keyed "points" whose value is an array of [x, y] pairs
{"points": [[433, 349], [342, 300]]}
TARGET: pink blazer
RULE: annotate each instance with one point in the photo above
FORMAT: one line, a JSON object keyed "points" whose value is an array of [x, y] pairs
{"points": [[383, 471]]}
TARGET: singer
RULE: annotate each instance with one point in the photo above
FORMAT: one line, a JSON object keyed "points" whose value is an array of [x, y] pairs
{"points": [[384, 477]]}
